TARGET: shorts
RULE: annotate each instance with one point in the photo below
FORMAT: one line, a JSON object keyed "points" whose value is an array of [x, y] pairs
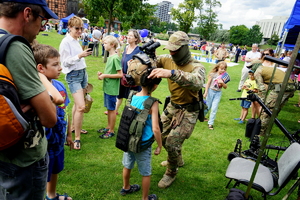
{"points": [[85, 43], [245, 104], [110, 101], [77, 80], [142, 159], [56, 164]]}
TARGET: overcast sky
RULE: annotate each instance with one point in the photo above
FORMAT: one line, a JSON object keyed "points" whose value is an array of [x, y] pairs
{"points": [[247, 12]]}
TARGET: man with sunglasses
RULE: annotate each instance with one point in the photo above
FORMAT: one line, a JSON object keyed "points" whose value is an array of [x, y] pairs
{"points": [[23, 168], [186, 77], [250, 56]]}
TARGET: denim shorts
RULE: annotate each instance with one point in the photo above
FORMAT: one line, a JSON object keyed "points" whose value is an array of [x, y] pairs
{"points": [[110, 101], [21, 183], [245, 104], [85, 43], [142, 159], [77, 79], [56, 164]]}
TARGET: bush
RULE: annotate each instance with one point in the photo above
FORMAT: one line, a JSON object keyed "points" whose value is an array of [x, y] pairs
{"points": [[162, 36]]}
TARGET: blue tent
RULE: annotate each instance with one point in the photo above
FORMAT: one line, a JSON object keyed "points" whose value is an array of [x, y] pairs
{"points": [[291, 29], [63, 24], [66, 19]]}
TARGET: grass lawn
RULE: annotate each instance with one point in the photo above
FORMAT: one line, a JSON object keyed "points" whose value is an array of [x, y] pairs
{"points": [[95, 171]]}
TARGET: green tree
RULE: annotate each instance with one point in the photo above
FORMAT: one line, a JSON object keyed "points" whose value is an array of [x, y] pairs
{"points": [[273, 40], [220, 36], [185, 15], [254, 36], [100, 22], [238, 34], [208, 18]]}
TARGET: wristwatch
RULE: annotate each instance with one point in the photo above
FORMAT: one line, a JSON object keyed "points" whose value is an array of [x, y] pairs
{"points": [[172, 72]]}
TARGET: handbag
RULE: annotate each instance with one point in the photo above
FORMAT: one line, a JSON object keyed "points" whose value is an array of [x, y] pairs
{"points": [[88, 103], [87, 98]]}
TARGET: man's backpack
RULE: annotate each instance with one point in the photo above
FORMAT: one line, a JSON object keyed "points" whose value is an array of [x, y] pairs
{"points": [[131, 126], [13, 122]]}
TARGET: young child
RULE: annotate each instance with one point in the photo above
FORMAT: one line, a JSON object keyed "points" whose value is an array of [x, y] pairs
{"points": [[213, 91], [143, 158], [48, 64], [250, 84], [111, 84]]}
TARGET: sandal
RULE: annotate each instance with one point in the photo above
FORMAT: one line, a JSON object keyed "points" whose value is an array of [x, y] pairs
{"points": [[66, 197], [133, 188], [82, 131], [77, 144], [152, 197], [211, 127]]}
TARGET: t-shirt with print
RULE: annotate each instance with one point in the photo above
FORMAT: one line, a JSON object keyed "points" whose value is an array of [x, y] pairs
{"points": [[111, 86], [251, 84], [56, 136]]}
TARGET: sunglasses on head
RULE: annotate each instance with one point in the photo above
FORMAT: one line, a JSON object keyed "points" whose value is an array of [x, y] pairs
{"points": [[266, 54], [78, 28]]}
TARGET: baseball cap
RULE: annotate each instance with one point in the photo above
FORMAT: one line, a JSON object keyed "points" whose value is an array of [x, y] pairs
{"points": [[176, 40], [41, 3]]}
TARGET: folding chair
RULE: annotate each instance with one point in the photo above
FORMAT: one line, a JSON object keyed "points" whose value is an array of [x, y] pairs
{"points": [[240, 170]]}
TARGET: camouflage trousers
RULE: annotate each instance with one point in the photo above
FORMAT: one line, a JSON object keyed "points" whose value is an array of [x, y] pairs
{"points": [[270, 103], [178, 125]]}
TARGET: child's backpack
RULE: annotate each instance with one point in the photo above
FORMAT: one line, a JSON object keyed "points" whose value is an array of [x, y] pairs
{"points": [[131, 126], [13, 122], [86, 38]]}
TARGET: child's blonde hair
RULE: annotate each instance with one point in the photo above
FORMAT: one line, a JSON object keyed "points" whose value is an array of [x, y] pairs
{"points": [[111, 40], [216, 68]]}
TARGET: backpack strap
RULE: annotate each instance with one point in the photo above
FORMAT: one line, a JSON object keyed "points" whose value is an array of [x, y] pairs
{"points": [[5, 42], [143, 115]]}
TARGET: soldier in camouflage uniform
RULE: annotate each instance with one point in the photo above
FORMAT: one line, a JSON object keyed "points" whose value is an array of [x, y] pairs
{"points": [[185, 78], [263, 75]]}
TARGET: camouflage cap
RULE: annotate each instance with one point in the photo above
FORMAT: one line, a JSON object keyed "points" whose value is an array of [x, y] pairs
{"points": [[177, 40]]}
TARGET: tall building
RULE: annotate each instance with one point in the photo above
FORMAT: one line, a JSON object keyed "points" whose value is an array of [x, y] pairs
{"points": [[63, 8], [162, 11], [268, 27]]}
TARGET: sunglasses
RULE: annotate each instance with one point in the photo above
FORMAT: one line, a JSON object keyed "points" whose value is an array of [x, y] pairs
{"points": [[78, 28], [266, 54], [44, 20]]}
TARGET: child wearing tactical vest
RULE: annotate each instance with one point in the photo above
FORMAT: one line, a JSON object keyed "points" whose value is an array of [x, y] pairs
{"points": [[48, 64], [111, 84], [143, 158]]}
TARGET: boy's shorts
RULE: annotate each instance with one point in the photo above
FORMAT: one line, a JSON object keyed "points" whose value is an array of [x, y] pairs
{"points": [[245, 104], [110, 101], [142, 159], [56, 164], [85, 43], [77, 80]]}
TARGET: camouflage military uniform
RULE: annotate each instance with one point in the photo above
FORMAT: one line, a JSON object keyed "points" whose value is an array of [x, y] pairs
{"points": [[263, 76], [180, 115]]}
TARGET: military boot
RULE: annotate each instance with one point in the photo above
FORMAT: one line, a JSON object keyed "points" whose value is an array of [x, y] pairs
{"points": [[167, 179]]}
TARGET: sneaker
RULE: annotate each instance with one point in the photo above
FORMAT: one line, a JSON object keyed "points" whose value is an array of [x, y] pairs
{"points": [[239, 90], [152, 197], [240, 122], [107, 135], [237, 119], [165, 163], [133, 188], [102, 130], [166, 181]]}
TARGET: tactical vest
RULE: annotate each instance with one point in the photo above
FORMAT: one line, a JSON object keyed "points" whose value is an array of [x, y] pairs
{"points": [[131, 126]]}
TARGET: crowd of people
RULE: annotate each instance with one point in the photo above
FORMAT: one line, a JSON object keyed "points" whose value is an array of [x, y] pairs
{"points": [[40, 67]]}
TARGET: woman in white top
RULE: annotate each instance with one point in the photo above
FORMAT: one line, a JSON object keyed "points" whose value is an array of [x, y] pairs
{"points": [[74, 66]]}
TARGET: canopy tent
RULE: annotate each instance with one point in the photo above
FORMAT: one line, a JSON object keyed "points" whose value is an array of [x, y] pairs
{"points": [[63, 24], [291, 29]]}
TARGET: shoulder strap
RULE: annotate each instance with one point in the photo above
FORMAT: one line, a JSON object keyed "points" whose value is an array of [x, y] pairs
{"points": [[6, 40]]}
